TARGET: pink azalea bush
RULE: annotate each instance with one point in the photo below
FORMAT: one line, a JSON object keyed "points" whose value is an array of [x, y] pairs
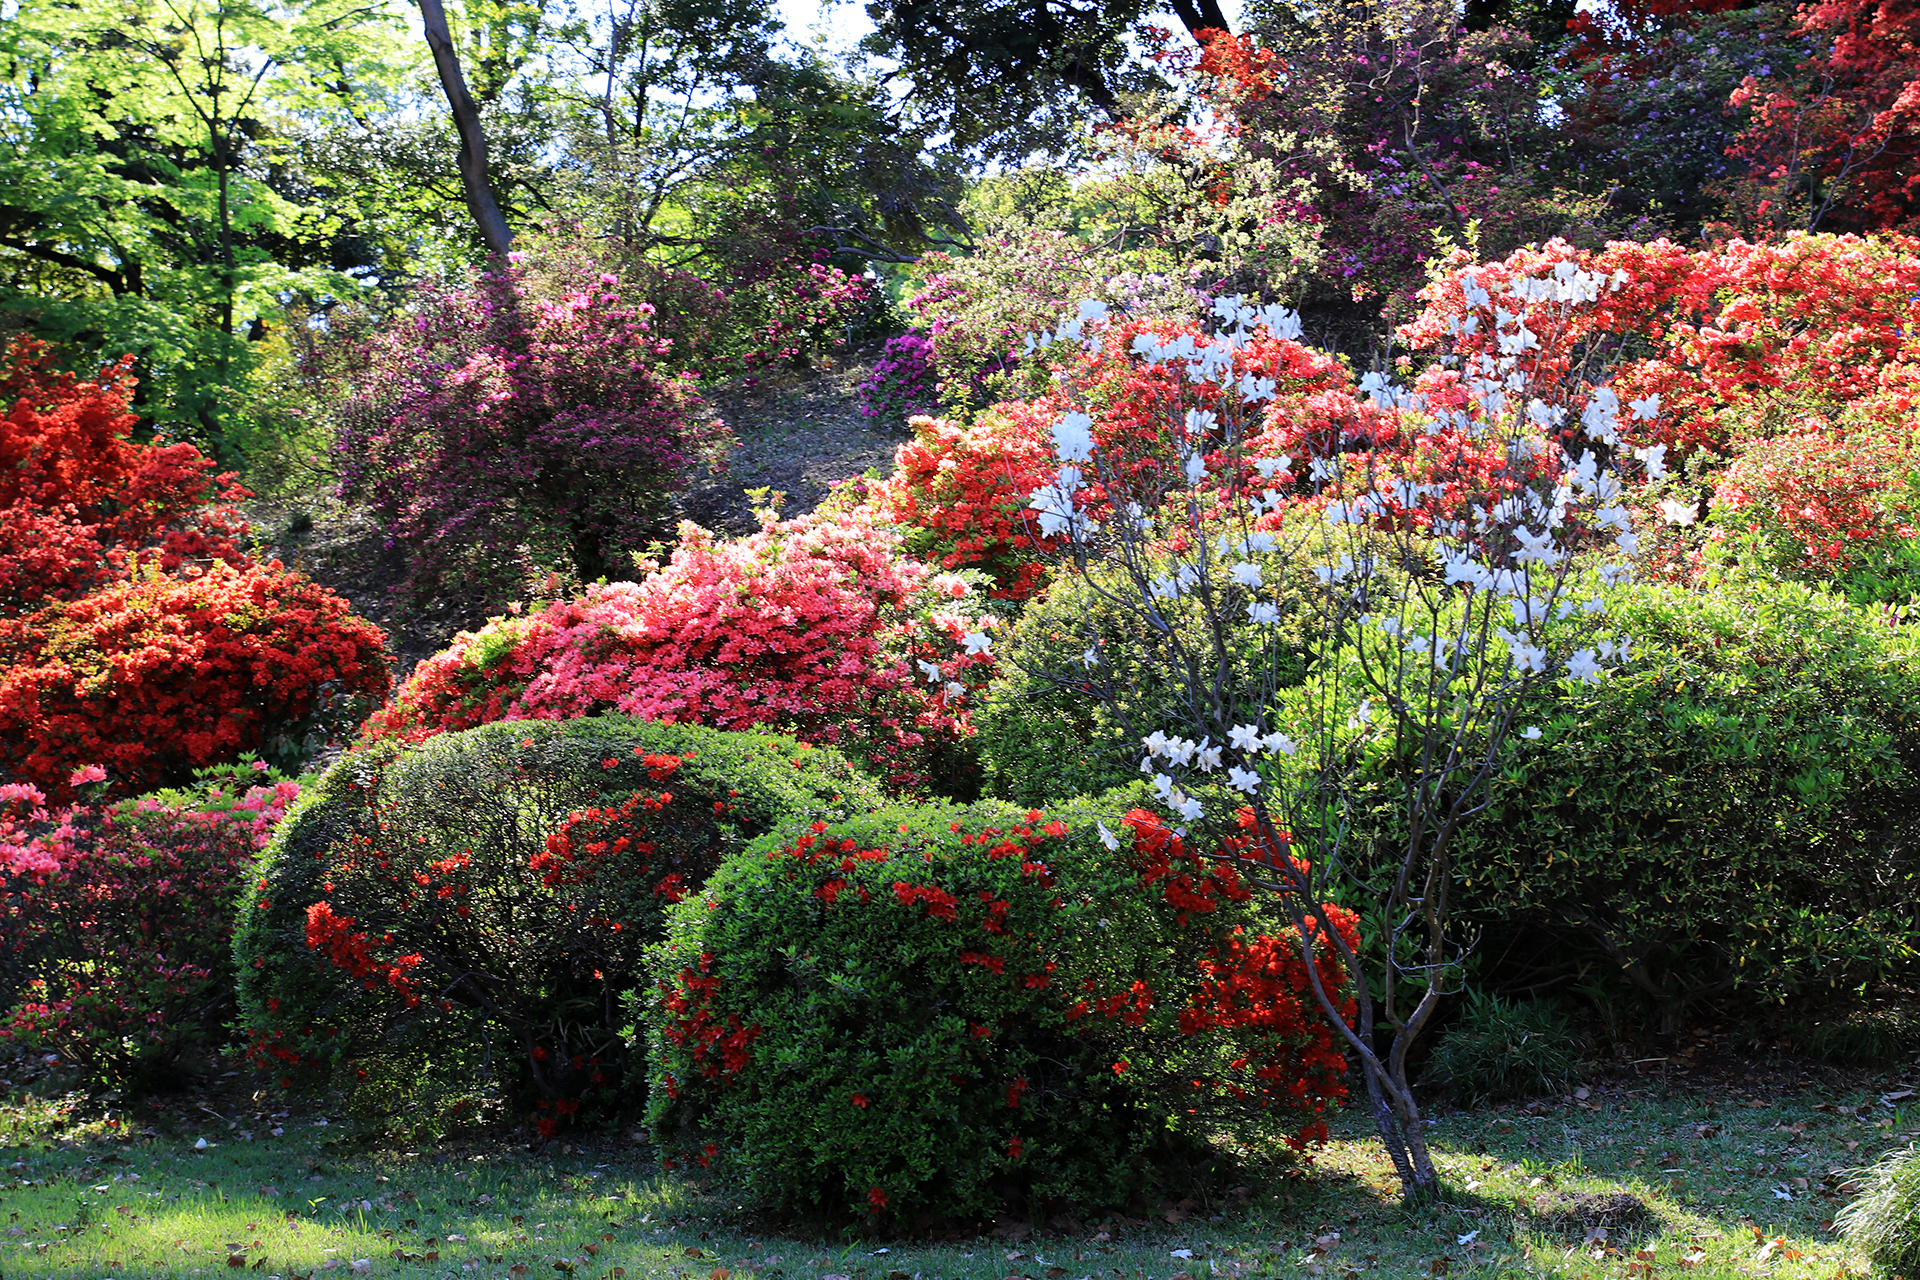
{"points": [[817, 626], [121, 919]]}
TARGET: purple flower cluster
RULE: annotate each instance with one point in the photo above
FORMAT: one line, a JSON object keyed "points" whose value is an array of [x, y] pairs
{"points": [[903, 380], [500, 416]]}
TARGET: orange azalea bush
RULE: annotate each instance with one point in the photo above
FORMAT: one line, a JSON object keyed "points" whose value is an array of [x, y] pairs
{"points": [[156, 676], [935, 1013]]}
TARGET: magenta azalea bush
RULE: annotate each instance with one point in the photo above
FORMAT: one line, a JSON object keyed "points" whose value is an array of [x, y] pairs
{"points": [[118, 921], [903, 382], [499, 416]]}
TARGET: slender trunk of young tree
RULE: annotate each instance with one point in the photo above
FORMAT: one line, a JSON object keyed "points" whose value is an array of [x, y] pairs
{"points": [[472, 158]]}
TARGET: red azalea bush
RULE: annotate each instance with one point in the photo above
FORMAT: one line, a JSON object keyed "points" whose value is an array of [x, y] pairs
{"points": [[78, 497], [1819, 502], [158, 675], [1732, 337], [932, 1014], [474, 906], [817, 626], [963, 493], [119, 924], [501, 415]]}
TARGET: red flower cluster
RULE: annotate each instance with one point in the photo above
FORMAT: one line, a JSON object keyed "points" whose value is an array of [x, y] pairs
{"points": [[156, 676], [78, 498]]}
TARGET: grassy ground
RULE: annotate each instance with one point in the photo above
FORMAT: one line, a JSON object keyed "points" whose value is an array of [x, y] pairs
{"points": [[1735, 1183]]}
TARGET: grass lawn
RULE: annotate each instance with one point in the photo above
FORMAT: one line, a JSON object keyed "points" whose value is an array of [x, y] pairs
{"points": [[1739, 1180]]}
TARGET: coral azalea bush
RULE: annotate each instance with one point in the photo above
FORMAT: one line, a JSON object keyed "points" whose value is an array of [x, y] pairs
{"points": [[816, 626], [934, 1013]]}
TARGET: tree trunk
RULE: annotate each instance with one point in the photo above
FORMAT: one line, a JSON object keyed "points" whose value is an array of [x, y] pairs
{"points": [[466, 120]]}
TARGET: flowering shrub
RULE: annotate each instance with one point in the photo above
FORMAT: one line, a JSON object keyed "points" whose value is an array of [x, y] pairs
{"points": [[77, 497], [482, 900], [799, 308], [963, 492], [1738, 337], [1819, 503], [816, 626], [902, 382], [491, 417], [156, 676], [1723, 812], [935, 1012], [121, 927], [978, 308]]}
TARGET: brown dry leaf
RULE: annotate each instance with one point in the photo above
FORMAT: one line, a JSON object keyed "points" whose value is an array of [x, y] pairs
{"points": [[693, 1252], [1439, 1266], [236, 1259], [1174, 1216], [719, 1273]]}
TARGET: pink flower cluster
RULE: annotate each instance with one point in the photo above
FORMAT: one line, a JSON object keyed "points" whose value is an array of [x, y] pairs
{"points": [[817, 626]]}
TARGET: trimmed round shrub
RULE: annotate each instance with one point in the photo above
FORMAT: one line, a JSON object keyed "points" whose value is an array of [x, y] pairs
{"points": [[120, 959], [932, 1012], [474, 906], [1500, 1048], [1883, 1221], [1731, 811], [159, 675]]}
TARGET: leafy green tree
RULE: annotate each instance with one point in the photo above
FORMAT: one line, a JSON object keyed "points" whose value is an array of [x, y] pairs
{"points": [[149, 202]]}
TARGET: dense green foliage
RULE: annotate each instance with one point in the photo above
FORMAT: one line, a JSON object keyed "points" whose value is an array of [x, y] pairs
{"points": [[466, 913], [1497, 1048], [934, 1011]]}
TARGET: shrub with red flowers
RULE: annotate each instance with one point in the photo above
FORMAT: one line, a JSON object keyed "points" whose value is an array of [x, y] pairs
{"points": [[902, 382], [937, 1013], [964, 492], [1820, 503], [78, 497], [155, 676], [817, 627], [474, 906], [496, 416], [118, 933]]}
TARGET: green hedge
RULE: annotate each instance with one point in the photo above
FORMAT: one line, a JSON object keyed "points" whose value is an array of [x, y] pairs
{"points": [[932, 1012], [1731, 811], [471, 909]]}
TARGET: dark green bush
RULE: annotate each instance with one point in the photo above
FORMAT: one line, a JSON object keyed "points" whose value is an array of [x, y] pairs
{"points": [[1731, 810], [933, 1012], [477, 904], [1055, 725], [1499, 1048]]}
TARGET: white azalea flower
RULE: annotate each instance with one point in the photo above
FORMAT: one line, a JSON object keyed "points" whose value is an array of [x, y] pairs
{"points": [[977, 642], [1247, 574], [1244, 737], [1243, 780]]}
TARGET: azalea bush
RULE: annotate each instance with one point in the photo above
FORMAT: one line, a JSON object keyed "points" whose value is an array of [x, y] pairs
{"points": [[817, 626], [495, 416], [469, 911], [902, 382], [80, 499], [156, 675], [978, 309], [119, 923], [936, 1013]]}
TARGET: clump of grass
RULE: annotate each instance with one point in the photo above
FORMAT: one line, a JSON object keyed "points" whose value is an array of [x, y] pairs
{"points": [[1883, 1221], [1507, 1049], [1864, 1036]]}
